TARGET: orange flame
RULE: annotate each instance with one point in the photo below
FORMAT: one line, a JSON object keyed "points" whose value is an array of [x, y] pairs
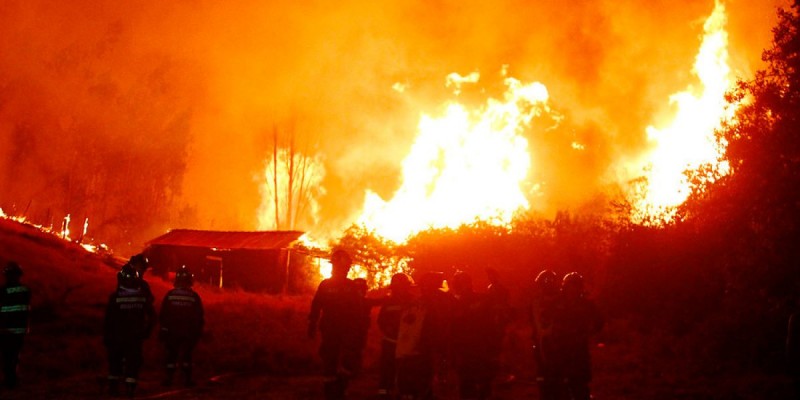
{"points": [[63, 233], [375, 279], [689, 142], [464, 165]]}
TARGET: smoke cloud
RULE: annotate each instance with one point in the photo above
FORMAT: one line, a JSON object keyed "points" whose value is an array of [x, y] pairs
{"points": [[144, 116]]}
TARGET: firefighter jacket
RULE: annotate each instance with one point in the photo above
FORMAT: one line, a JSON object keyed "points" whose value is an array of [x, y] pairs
{"points": [[576, 321], [410, 334], [390, 314], [15, 300], [130, 315], [182, 314], [337, 305], [472, 327]]}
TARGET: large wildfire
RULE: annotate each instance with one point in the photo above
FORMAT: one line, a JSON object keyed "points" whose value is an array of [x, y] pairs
{"points": [[464, 166], [469, 165], [473, 164], [688, 142], [280, 116]]}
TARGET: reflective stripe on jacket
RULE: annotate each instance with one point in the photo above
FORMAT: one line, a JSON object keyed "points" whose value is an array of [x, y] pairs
{"points": [[15, 309]]}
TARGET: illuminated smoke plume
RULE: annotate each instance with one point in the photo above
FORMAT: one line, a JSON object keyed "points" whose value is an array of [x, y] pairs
{"points": [[149, 116]]}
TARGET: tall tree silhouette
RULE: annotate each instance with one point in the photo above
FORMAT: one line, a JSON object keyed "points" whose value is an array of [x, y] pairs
{"points": [[753, 215], [292, 185]]}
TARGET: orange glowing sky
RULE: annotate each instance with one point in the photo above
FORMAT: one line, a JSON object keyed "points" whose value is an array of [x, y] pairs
{"points": [[196, 87]]}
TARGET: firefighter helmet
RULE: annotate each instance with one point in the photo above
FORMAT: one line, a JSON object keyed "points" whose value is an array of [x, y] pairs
{"points": [[127, 277], [184, 277], [401, 281], [341, 262], [572, 282], [12, 270], [139, 260], [341, 256], [461, 283], [546, 279], [361, 286]]}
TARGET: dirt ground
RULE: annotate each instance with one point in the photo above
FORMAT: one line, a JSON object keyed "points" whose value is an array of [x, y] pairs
{"points": [[609, 383], [234, 386]]}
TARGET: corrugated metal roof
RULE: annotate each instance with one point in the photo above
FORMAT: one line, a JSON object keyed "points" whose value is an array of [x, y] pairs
{"points": [[261, 240]]}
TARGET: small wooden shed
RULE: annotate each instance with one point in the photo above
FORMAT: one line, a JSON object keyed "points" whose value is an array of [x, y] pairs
{"points": [[259, 261]]}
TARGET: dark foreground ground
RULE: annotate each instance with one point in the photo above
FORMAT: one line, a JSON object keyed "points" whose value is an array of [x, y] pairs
{"points": [[620, 373], [269, 386], [255, 346]]}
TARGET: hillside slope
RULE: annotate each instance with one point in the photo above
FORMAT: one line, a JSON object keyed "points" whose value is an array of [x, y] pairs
{"points": [[64, 357]]}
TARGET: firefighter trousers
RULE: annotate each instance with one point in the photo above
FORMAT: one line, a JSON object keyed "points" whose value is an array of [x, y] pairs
{"points": [[10, 346], [124, 360]]}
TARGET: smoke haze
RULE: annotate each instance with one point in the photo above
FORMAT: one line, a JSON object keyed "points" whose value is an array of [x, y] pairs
{"points": [[144, 116]]}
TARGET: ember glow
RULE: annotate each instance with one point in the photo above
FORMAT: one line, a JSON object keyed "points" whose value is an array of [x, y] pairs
{"points": [[62, 233], [688, 142], [465, 165], [375, 279]]}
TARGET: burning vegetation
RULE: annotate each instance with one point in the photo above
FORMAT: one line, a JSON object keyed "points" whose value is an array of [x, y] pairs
{"points": [[531, 121], [630, 142], [533, 130]]}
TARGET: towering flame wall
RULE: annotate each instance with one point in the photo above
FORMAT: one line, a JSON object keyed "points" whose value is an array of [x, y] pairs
{"points": [[161, 114], [463, 166], [474, 165]]}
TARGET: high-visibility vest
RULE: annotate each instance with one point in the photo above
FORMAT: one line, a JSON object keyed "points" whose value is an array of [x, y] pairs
{"points": [[14, 309]]}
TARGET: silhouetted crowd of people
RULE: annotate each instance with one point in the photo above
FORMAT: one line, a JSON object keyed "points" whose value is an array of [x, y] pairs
{"points": [[435, 334], [430, 331]]}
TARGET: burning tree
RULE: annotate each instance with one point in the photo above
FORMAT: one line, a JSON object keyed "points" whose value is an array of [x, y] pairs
{"points": [[688, 144], [755, 210], [726, 272], [292, 184]]}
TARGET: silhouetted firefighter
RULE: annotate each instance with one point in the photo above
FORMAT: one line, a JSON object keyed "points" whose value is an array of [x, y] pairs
{"points": [[337, 309], [498, 301], [473, 330], [392, 311], [542, 313], [15, 300], [575, 321], [129, 321], [436, 330], [793, 349], [359, 339], [181, 321]]}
